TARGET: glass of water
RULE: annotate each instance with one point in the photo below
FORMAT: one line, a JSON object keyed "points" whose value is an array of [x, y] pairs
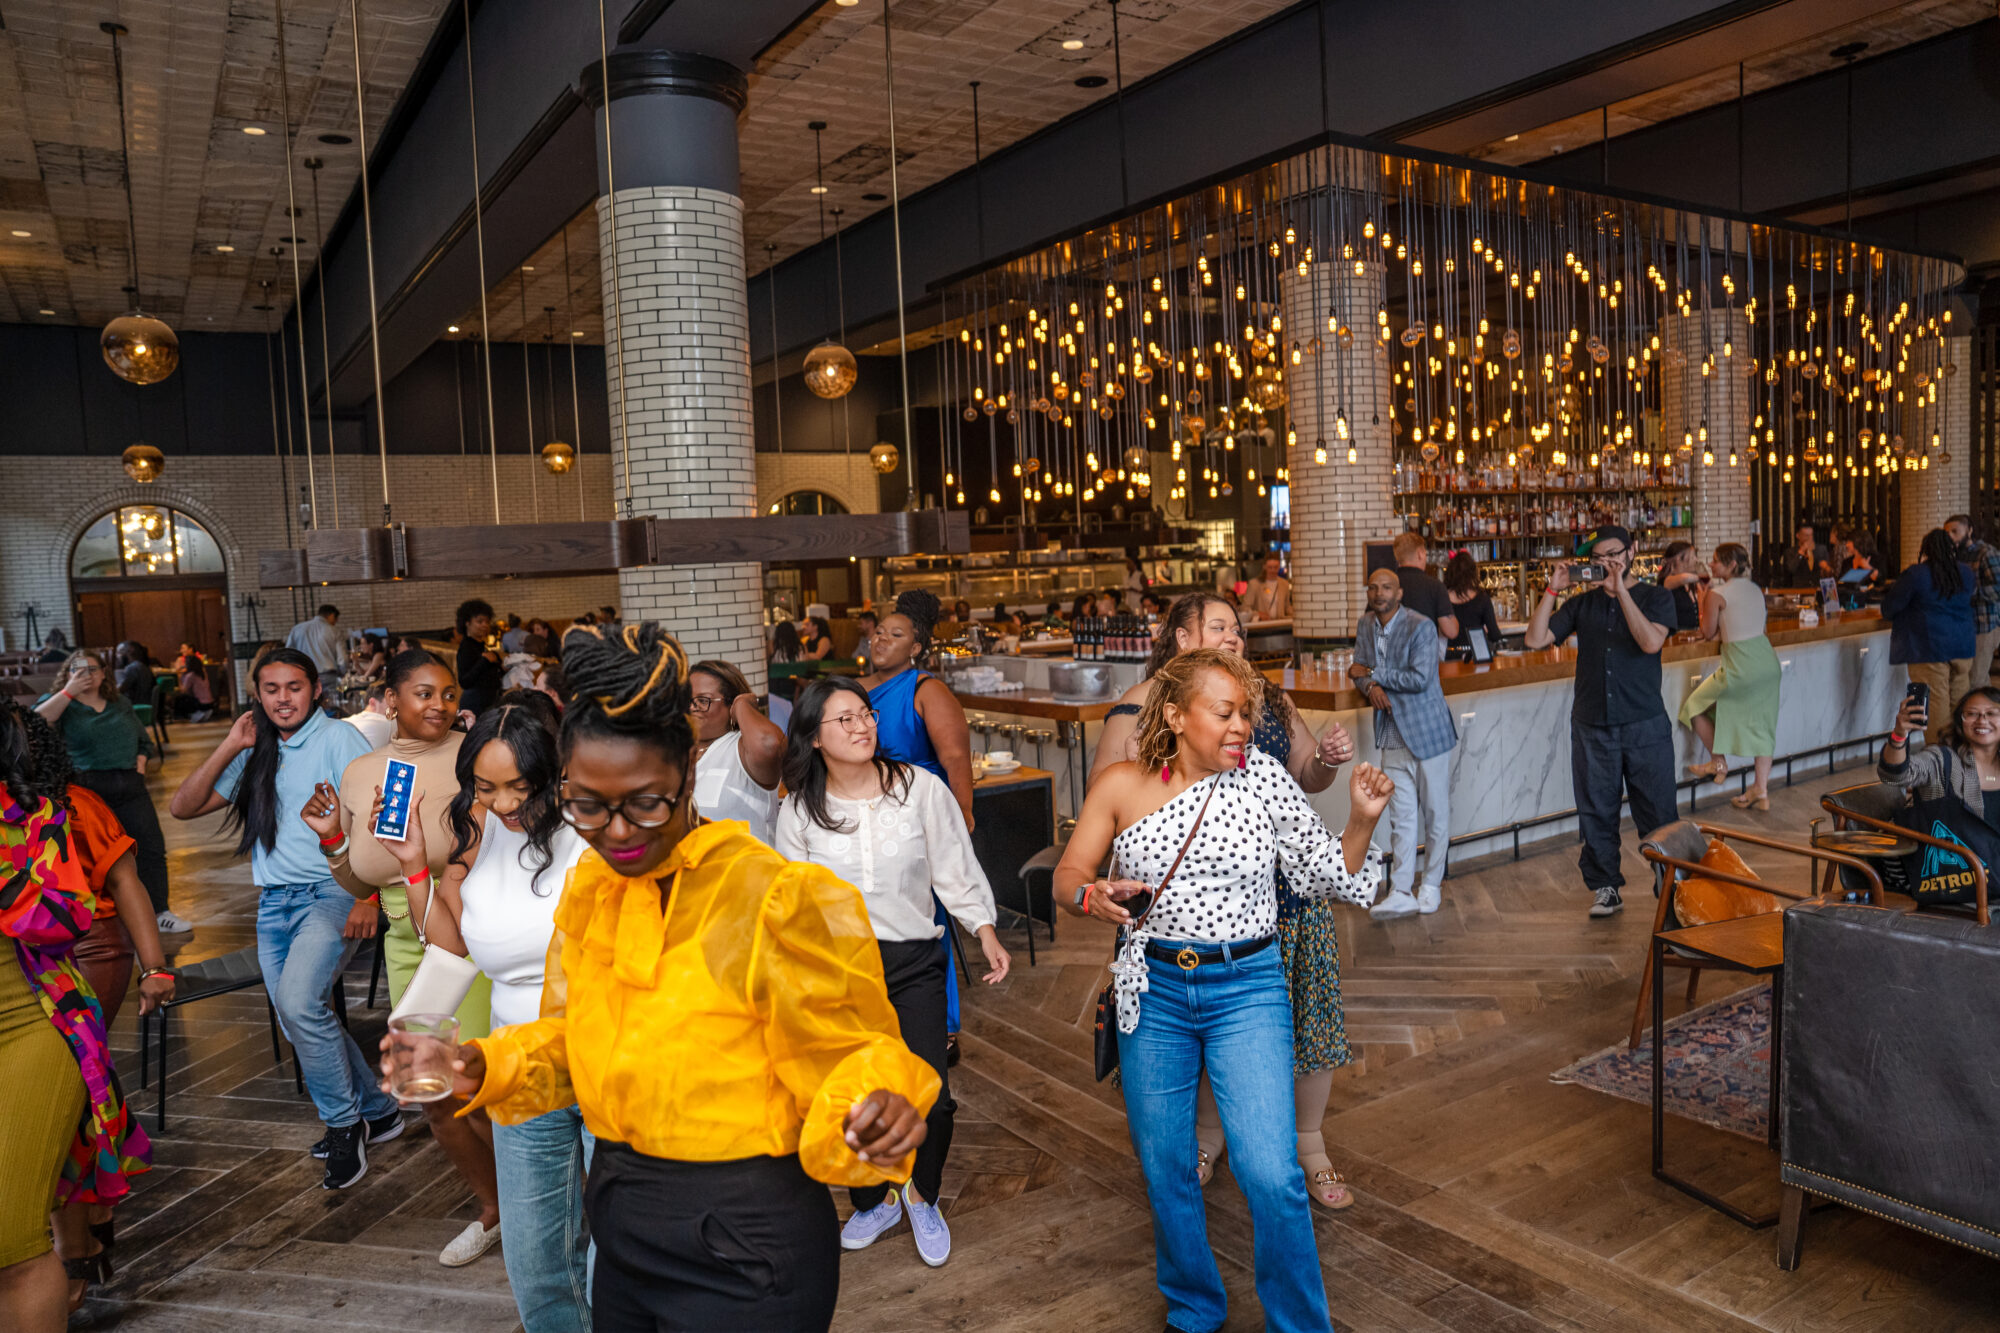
{"points": [[421, 1049]]}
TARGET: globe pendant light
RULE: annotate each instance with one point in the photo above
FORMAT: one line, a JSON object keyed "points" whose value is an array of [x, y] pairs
{"points": [[884, 457], [557, 455], [136, 346], [144, 463], [830, 370]]}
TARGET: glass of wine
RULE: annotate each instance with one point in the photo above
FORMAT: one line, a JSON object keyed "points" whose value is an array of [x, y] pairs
{"points": [[421, 1048]]}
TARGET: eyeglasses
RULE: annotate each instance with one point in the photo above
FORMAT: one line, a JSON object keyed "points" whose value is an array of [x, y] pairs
{"points": [[701, 703], [644, 810], [854, 724], [1979, 715]]}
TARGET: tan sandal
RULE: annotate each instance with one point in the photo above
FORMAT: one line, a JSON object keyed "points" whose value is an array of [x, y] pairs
{"points": [[1204, 1167], [1752, 800], [1329, 1189]]}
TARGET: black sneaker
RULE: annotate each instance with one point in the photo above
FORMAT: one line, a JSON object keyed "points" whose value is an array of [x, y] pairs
{"points": [[1608, 903], [346, 1157], [380, 1130]]}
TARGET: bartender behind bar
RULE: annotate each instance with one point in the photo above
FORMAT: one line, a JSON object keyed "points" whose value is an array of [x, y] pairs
{"points": [[1621, 741]]}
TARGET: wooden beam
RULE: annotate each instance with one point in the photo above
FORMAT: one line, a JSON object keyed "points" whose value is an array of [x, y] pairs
{"points": [[530, 550]]}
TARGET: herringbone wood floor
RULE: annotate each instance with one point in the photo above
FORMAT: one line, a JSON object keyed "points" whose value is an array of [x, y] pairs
{"points": [[1489, 1197]]}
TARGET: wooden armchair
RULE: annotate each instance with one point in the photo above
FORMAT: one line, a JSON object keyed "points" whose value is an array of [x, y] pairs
{"points": [[1873, 805], [1693, 894]]}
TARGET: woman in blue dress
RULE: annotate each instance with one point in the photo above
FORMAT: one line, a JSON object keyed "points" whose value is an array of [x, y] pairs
{"points": [[920, 722]]}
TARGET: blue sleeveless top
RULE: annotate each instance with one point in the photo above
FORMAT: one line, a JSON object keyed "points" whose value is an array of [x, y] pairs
{"points": [[900, 731]]}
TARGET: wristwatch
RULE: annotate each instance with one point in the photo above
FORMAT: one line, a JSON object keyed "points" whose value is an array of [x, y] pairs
{"points": [[1082, 894]]}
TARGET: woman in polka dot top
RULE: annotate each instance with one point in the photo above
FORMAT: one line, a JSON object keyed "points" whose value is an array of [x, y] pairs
{"points": [[893, 831], [1199, 982]]}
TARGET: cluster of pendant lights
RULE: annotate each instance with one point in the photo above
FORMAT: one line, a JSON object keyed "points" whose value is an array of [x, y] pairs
{"points": [[1503, 317]]}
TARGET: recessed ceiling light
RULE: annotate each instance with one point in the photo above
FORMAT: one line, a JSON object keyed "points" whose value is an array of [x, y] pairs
{"points": [[451, 328], [1512, 137], [1092, 81], [527, 268], [335, 138], [263, 307], [1073, 44], [874, 196], [225, 249], [256, 131], [847, 4], [19, 232], [576, 333], [817, 189], [48, 312]]}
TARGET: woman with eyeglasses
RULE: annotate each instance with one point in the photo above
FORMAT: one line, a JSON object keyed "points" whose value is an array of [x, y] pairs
{"points": [[738, 752], [716, 1012], [892, 830], [423, 697], [511, 853]]}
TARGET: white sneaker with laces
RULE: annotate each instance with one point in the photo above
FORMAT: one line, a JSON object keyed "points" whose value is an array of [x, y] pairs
{"points": [[865, 1228], [170, 924], [927, 1225], [1399, 903], [1429, 898], [1608, 903], [469, 1244]]}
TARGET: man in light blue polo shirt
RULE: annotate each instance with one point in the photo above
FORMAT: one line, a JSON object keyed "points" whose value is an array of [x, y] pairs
{"points": [[308, 926]]}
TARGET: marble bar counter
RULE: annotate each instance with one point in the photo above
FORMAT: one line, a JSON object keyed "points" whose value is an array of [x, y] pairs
{"points": [[1512, 762]]}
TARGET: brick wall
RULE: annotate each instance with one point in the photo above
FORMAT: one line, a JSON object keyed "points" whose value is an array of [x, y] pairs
{"points": [[1944, 488], [1336, 505], [1721, 493], [685, 344], [242, 502], [848, 478]]}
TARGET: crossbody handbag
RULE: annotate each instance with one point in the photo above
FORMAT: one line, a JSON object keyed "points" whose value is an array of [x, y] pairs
{"points": [[442, 979], [1105, 1051]]}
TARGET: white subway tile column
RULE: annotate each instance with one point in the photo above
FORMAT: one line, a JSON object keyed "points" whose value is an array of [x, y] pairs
{"points": [[682, 332], [1336, 505], [1721, 402], [1930, 495]]}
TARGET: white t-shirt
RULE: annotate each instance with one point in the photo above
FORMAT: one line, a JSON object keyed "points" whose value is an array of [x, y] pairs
{"points": [[510, 914], [377, 727], [724, 789]]}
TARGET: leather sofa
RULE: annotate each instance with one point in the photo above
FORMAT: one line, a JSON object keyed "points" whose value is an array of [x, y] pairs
{"points": [[1891, 1085]]}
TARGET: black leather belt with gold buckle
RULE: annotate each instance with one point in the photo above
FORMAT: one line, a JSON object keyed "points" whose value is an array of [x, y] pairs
{"points": [[1191, 958]]}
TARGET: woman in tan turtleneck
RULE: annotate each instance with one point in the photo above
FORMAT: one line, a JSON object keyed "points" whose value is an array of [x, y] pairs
{"points": [[423, 700]]}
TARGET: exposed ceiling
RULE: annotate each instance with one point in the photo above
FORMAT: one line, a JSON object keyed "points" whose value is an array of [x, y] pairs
{"points": [[198, 75]]}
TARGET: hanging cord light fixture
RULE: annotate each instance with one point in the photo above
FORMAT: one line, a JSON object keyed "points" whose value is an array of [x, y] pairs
{"points": [[617, 297], [298, 284], [830, 371], [557, 456], [528, 396], [314, 165], [479, 252], [840, 299], [368, 238], [777, 383], [575, 406], [136, 346], [896, 234]]}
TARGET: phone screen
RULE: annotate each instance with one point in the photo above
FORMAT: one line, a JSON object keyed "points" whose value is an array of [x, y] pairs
{"points": [[398, 790]]}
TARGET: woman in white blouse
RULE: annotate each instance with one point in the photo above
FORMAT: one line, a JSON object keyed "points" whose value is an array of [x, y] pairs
{"points": [[496, 904], [895, 832], [1199, 983], [737, 750]]}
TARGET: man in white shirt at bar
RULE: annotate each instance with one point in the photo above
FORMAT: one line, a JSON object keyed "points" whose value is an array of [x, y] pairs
{"points": [[1270, 597]]}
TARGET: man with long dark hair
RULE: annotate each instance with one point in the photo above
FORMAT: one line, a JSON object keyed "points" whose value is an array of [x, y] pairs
{"points": [[277, 751]]}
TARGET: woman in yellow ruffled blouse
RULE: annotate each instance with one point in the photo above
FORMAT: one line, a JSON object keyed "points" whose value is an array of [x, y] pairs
{"points": [[717, 1012]]}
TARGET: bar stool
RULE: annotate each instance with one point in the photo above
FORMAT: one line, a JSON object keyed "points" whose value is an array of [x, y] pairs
{"points": [[1040, 736], [978, 724]]}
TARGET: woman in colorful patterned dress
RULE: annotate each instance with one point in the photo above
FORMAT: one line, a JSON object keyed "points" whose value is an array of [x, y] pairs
{"points": [[65, 1133]]}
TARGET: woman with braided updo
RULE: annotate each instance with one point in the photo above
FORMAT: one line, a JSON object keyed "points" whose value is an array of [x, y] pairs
{"points": [[716, 1012]]}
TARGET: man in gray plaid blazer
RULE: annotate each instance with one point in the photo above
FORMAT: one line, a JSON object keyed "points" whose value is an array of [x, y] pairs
{"points": [[1396, 666]]}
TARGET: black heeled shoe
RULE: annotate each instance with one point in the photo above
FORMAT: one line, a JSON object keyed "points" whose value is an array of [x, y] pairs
{"points": [[90, 1270], [105, 1233]]}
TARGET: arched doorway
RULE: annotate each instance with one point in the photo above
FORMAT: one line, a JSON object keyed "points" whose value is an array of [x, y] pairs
{"points": [[794, 585], [156, 575]]}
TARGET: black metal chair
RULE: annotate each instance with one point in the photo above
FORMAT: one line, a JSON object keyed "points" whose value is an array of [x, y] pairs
{"points": [[1874, 805], [205, 980]]}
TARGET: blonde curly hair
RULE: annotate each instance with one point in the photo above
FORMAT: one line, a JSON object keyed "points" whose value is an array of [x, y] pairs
{"points": [[1176, 683]]}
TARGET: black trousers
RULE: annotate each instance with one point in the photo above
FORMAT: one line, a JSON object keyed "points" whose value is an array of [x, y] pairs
{"points": [[125, 792], [1607, 764], [915, 971], [746, 1245]]}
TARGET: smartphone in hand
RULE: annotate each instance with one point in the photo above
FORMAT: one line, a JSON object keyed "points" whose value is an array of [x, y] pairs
{"points": [[1919, 694], [399, 786]]}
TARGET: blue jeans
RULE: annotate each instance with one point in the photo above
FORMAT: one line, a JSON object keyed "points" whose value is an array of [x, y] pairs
{"points": [[301, 950], [540, 1165], [1234, 1017]]}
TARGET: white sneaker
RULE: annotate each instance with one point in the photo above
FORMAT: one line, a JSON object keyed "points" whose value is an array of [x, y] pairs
{"points": [[1607, 903], [1399, 903], [865, 1228], [469, 1244], [927, 1225], [170, 924], [1429, 898]]}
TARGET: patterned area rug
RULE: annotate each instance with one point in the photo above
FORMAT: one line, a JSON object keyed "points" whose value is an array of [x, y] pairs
{"points": [[1718, 1065]]}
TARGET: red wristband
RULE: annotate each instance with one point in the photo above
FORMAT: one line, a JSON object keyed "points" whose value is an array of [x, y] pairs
{"points": [[334, 841], [1894, 739], [418, 878]]}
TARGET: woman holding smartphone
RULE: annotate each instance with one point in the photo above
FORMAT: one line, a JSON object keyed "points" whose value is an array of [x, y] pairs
{"points": [[893, 831], [716, 1012], [423, 698], [1199, 827]]}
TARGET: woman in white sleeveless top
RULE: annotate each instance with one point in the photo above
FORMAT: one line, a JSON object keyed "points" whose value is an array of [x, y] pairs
{"points": [[737, 750], [1735, 709], [510, 859]]}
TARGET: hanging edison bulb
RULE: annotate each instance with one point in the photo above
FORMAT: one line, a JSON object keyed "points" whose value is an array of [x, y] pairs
{"points": [[140, 349], [830, 370], [144, 463], [558, 457], [1413, 335], [990, 406], [1510, 345], [1137, 459], [884, 457], [971, 413], [1429, 451], [1143, 373]]}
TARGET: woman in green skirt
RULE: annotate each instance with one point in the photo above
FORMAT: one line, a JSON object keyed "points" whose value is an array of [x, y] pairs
{"points": [[1735, 709]]}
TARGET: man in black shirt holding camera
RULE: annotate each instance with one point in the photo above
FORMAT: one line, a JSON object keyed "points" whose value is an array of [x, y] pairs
{"points": [[1621, 740]]}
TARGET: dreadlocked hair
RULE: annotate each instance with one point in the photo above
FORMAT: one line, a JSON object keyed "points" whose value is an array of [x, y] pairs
{"points": [[632, 684], [1176, 683], [18, 773], [923, 610], [48, 761]]}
